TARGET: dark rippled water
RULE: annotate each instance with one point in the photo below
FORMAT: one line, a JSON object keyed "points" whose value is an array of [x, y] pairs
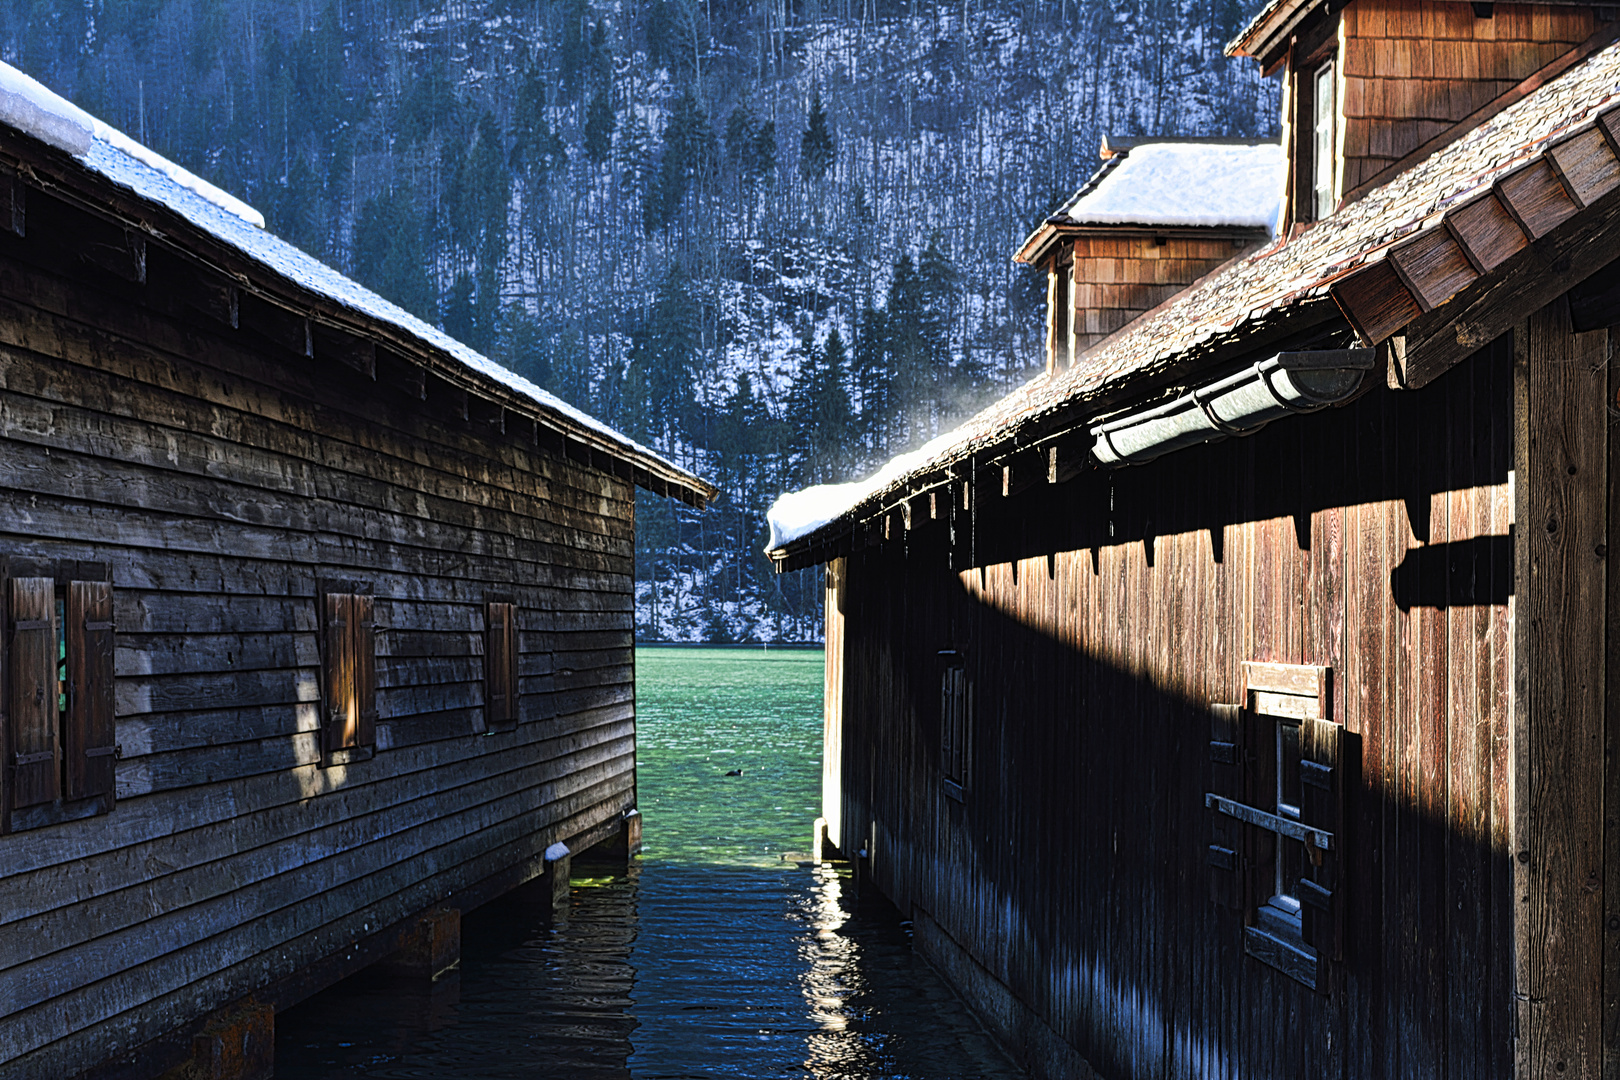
{"points": [[710, 957]]}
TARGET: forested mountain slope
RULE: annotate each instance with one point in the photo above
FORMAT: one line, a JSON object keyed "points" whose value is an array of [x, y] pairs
{"points": [[769, 237]]}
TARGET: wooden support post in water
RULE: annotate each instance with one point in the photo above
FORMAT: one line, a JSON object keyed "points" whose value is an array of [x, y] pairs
{"points": [[558, 865], [239, 1043], [430, 949]]}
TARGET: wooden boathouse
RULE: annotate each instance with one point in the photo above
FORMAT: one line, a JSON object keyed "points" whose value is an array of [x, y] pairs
{"points": [[1239, 699], [317, 626]]}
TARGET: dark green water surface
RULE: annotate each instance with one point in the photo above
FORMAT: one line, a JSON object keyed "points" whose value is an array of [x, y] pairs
{"points": [[712, 956]]}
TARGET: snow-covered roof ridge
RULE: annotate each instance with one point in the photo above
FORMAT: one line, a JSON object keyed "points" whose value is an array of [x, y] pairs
{"points": [[31, 108], [1191, 182]]}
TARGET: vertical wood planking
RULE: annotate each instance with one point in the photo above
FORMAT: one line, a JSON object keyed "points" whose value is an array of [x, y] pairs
{"points": [[1611, 757], [1498, 655], [1561, 1023], [1466, 728], [89, 736]]}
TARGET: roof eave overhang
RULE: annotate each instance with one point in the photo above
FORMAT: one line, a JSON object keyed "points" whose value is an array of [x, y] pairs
{"points": [[1054, 442], [1264, 38], [1039, 245], [68, 179], [1388, 301]]}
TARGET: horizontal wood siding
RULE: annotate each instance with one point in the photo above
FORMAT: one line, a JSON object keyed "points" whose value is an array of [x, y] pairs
{"points": [[222, 481], [1099, 621], [1411, 69]]}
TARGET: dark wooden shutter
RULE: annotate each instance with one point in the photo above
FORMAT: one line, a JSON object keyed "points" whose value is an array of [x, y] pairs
{"points": [[88, 737], [1228, 856], [363, 620], [1322, 758], [338, 677], [500, 663], [35, 772]]}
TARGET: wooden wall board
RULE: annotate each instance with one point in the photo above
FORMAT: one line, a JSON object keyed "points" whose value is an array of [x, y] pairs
{"points": [[1412, 69], [275, 808], [1561, 761]]}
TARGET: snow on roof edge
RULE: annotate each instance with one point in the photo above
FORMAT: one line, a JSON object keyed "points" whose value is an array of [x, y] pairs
{"points": [[797, 514], [184, 177], [1173, 182], [29, 107]]}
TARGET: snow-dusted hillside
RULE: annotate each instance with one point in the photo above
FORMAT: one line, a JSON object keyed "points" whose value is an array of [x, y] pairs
{"points": [[637, 205]]}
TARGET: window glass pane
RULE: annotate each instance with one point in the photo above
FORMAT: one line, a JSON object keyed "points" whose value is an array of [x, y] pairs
{"points": [[61, 656], [1322, 156], [1288, 796]]}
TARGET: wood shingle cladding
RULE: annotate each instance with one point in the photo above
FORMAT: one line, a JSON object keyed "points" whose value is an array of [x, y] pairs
{"points": [[279, 664], [1413, 69], [1116, 278]]}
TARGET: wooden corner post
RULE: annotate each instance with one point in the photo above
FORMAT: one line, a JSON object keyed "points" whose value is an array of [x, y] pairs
{"points": [[1557, 855]]}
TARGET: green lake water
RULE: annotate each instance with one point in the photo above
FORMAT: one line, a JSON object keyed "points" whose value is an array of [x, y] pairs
{"points": [[701, 713], [710, 956]]}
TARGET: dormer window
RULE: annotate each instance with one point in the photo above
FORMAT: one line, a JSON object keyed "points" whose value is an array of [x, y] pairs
{"points": [[1373, 86], [1321, 203]]}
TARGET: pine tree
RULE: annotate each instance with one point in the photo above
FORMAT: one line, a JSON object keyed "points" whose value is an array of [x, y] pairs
{"points": [[816, 148], [574, 54], [937, 284], [690, 149], [910, 354], [874, 382], [459, 316], [663, 358], [537, 150], [599, 124], [819, 404]]}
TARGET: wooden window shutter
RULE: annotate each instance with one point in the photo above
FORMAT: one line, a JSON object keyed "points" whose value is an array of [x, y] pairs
{"points": [[1228, 847], [88, 737], [342, 719], [35, 772], [954, 728], [1322, 758], [363, 620], [500, 663]]}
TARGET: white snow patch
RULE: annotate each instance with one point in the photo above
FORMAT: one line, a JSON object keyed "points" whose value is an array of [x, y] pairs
{"points": [[184, 177], [1172, 183], [800, 513], [48, 117]]}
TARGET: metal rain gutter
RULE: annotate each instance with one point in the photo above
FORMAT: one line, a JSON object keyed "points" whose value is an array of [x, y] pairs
{"points": [[1241, 404]]}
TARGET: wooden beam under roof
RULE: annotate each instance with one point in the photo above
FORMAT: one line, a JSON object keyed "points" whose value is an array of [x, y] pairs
{"points": [[1503, 248]]}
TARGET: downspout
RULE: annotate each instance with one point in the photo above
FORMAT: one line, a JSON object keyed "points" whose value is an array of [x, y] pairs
{"points": [[1240, 404]]}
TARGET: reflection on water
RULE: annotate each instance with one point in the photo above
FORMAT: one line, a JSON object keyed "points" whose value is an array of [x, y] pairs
{"points": [[705, 959]]}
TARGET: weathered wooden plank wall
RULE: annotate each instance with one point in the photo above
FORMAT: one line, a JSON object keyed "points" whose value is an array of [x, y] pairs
{"points": [[1099, 621], [222, 479]]}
